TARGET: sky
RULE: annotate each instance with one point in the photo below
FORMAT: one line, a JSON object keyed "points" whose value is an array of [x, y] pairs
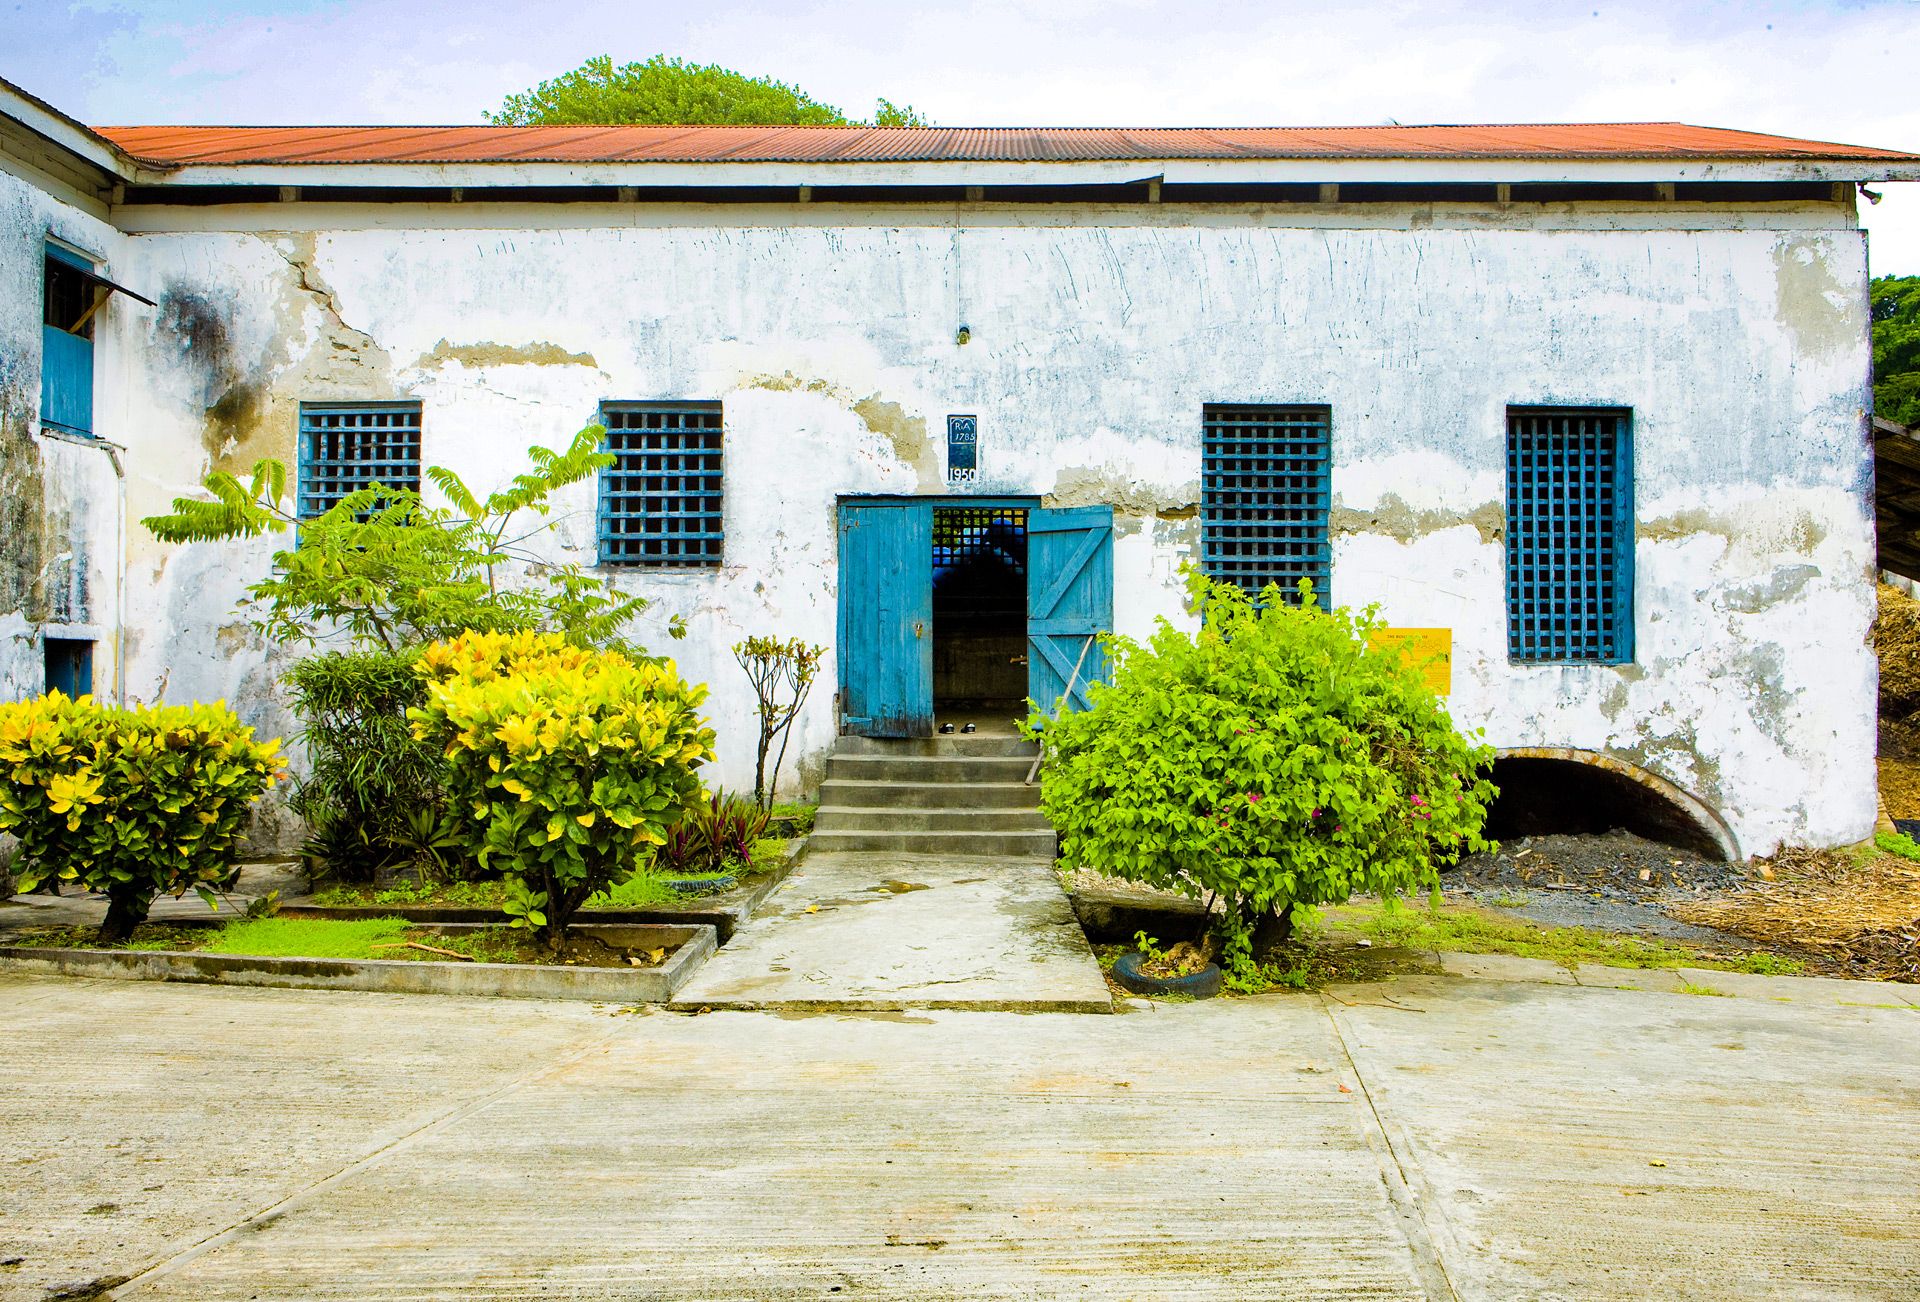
{"points": [[1842, 70]]}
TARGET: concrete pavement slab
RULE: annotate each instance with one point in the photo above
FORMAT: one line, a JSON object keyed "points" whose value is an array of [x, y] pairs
{"points": [[1586, 1143], [1427, 1137], [136, 1119], [1221, 1153], [897, 931]]}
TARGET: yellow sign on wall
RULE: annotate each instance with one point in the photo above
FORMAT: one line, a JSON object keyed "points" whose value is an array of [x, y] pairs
{"points": [[1430, 650]]}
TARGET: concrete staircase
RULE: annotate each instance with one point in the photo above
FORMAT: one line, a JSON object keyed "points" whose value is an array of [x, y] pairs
{"points": [[960, 795]]}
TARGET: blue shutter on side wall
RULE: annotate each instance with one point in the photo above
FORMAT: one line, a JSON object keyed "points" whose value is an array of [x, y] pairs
{"points": [[66, 381]]}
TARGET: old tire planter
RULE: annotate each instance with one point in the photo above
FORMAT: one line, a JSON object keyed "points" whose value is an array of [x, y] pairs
{"points": [[1204, 984]]}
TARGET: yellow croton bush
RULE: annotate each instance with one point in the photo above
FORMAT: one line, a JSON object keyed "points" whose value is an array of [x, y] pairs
{"points": [[565, 765], [131, 802]]}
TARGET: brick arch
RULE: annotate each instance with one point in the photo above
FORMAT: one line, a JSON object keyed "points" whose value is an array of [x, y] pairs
{"points": [[1578, 788]]}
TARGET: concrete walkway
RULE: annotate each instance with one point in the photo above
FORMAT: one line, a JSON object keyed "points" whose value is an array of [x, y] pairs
{"points": [[1435, 1137], [879, 932]]}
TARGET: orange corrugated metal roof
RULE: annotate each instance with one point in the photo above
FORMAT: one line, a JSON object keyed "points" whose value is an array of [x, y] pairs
{"points": [[182, 146]]}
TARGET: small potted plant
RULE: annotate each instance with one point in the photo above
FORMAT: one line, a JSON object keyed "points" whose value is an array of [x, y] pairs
{"points": [[1186, 968]]}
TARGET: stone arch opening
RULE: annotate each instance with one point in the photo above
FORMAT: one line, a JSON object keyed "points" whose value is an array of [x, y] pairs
{"points": [[1558, 790]]}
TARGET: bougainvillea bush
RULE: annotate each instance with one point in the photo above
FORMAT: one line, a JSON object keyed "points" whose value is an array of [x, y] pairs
{"points": [[565, 765], [129, 802], [1275, 760]]}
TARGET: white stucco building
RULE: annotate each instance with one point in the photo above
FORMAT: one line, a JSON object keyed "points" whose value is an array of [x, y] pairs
{"points": [[1589, 404]]}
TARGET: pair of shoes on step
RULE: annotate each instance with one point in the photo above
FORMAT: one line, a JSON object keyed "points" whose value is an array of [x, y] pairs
{"points": [[946, 728]]}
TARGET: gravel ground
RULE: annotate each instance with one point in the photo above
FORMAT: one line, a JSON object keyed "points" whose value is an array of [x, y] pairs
{"points": [[1616, 865], [1614, 882]]}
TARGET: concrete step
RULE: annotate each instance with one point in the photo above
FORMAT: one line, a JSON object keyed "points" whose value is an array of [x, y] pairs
{"points": [[841, 818], [1027, 844], [856, 793], [956, 744], [930, 768]]}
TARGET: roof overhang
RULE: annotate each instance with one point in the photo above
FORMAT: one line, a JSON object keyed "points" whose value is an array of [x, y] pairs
{"points": [[1235, 171], [79, 142]]}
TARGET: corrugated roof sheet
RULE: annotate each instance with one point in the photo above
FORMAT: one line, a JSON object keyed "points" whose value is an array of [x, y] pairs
{"points": [[181, 146]]}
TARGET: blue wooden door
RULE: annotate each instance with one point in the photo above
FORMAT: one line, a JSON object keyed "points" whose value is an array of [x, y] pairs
{"points": [[1069, 602], [886, 618]]}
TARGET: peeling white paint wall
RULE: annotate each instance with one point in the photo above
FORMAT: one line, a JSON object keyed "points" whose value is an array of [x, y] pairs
{"points": [[1740, 346], [59, 502]]}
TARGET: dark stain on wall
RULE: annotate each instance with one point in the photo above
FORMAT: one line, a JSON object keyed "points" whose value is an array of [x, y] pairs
{"points": [[195, 326], [23, 495]]}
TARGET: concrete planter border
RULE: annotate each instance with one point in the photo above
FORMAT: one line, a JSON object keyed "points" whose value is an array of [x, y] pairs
{"points": [[694, 944]]}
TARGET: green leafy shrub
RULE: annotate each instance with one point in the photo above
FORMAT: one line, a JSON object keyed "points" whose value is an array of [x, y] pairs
{"points": [[564, 765], [369, 779], [129, 802], [1274, 760]]}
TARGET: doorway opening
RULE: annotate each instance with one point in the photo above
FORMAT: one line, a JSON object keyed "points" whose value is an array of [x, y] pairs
{"points": [[979, 617]]}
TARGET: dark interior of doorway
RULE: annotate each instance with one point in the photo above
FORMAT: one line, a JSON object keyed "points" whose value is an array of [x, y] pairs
{"points": [[979, 616]]}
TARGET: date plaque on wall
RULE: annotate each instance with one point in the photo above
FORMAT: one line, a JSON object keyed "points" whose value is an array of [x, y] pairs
{"points": [[963, 449]]}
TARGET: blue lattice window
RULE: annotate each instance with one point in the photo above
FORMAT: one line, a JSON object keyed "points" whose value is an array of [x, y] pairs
{"points": [[1265, 491], [345, 447], [660, 500], [1569, 535]]}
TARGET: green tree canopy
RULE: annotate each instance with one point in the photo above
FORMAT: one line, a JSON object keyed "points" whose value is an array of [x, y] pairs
{"points": [[666, 91], [1896, 349]]}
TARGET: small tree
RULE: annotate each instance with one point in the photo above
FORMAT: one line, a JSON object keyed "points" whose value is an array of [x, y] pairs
{"points": [[384, 568], [782, 674], [130, 803], [1275, 760], [564, 766]]}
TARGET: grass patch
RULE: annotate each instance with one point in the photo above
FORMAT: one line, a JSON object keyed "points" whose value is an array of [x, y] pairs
{"points": [[1469, 931], [455, 895], [154, 936], [1689, 988], [1897, 843], [357, 938], [306, 937], [769, 852]]}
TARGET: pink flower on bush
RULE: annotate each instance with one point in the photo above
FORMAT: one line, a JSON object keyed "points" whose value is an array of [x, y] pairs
{"points": [[1253, 797]]}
